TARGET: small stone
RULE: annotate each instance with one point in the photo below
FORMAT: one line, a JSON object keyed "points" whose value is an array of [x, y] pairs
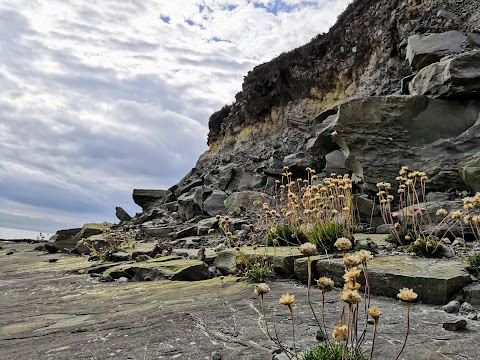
{"points": [[319, 336], [216, 356], [455, 325], [459, 242], [448, 252], [452, 307], [52, 260], [122, 280], [466, 308], [10, 253]]}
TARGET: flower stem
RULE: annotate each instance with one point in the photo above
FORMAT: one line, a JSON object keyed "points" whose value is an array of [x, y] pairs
{"points": [[293, 330], [408, 330], [374, 337]]}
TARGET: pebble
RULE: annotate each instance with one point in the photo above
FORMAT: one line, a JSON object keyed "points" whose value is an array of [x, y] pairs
{"points": [[455, 325], [319, 335], [452, 307], [216, 356], [52, 260], [466, 308], [122, 280], [472, 316]]}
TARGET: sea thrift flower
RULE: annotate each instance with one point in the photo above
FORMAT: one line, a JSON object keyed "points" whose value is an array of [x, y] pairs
{"points": [[407, 295], [395, 214], [374, 312], [350, 285], [308, 249], [343, 244], [325, 284], [418, 212], [350, 260], [352, 274], [287, 299], [364, 256], [441, 212], [261, 289], [340, 333], [350, 296]]}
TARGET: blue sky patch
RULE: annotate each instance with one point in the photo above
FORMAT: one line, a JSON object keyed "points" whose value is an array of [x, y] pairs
{"points": [[165, 19], [279, 6]]}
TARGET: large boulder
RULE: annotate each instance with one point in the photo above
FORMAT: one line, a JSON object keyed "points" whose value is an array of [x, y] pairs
{"points": [[423, 50], [380, 134], [121, 214], [63, 239], [93, 229], [454, 77], [163, 268], [470, 171], [243, 200], [214, 204], [143, 197]]}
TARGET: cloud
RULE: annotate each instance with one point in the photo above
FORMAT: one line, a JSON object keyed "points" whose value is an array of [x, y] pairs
{"points": [[99, 98]]}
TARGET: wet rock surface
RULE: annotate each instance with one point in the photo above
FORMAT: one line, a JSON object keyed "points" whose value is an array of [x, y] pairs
{"points": [[51, 313]]}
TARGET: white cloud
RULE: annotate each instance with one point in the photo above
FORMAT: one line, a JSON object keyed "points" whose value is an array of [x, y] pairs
{"points": [[99, 97]]}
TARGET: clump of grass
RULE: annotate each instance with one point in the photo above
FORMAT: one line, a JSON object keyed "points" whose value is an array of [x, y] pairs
{"points": [[260, 274], [474, 260], [286, 235], [331, 352], [113, 241], [325, 235], [426, 246]]}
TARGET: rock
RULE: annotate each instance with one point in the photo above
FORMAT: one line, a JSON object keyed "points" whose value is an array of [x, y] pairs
{"points": [[63, 239], [413, 134], [459, 242], [147, 249], [144, 197], [383, 229], [190, 184], [454, 77], [93, 229], [471, 316], [244, 200], [158, 231], [214, 204], [226, 173], [434, 281], [366, 208], [452, 307], [187, 208], [206, 224], [448, 252], [423, 50], [199, 195], [121, 256], [466, 308], [335, 163], [455, 325], [297, 163], [474, 39], [169, 206], [281, 258], [164, 268], [322, 143], [216, 356], [122, 280], [471, 293], [469, 170], [121, 214], [85, 246], [186, 232], [437, 196]]}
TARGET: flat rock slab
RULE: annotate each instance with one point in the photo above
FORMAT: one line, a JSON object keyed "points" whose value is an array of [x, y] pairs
{"points": [[49, 314], [282, 259], [435, 281], [163, 268], [471, 293]]}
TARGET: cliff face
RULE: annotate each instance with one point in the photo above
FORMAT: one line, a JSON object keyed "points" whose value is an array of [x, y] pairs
{"points": [[362, 55], [393, 83]]}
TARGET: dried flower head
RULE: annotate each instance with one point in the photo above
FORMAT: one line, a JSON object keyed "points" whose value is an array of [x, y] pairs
{"points": [[261, 289], [350, 260], [350, 285], [364, 255], [308, 249], [352, 274], [374, 312], [343, 244], [287, 299], [407, 295], [441, 212], [456, 214], [325, 284], [340, 333], [350, 296]]}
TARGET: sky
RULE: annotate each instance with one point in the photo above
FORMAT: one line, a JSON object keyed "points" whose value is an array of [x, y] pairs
{"points": [[100, 97]]}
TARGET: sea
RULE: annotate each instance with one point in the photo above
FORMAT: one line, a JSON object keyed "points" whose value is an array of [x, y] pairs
{"points": [[15, 234]]}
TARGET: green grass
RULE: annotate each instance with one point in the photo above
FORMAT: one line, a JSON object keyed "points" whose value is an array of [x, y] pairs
{"points": [[287, 235], [332, 352], [325, 235], [426, 247], [260, 274], [474, 260]]}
